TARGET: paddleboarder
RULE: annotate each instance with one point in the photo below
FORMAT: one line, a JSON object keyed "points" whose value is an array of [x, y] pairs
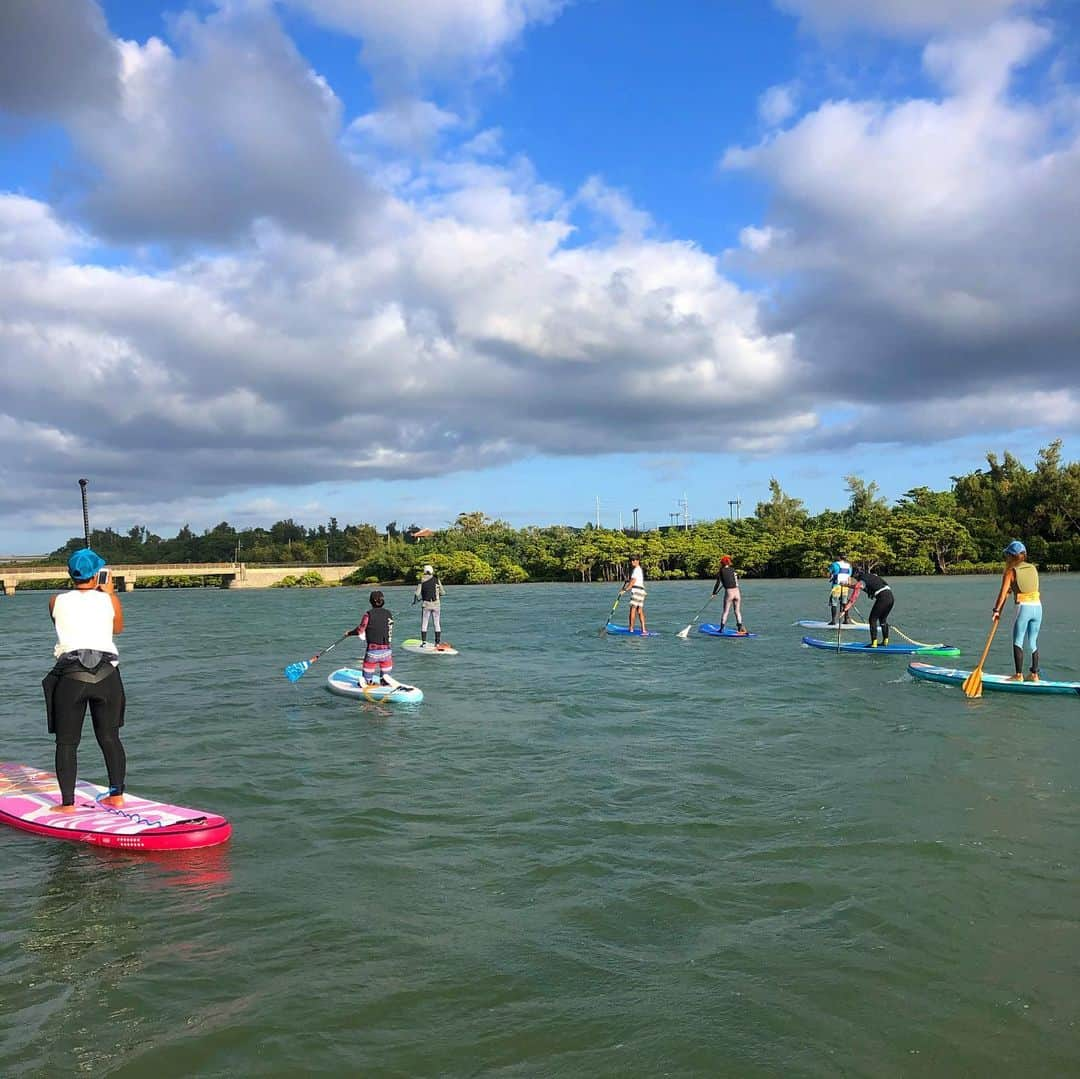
{"points": [[839, 588], [377, 625], [1021, 578], [87, 672], [635, 585], [429, 592], [727, 579], [880, 591]]}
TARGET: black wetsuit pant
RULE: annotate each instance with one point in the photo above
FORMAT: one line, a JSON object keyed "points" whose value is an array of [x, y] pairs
{"points": [[879, 614], [70, 697]]}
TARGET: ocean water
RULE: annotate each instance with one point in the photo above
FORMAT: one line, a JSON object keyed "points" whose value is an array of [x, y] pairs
{"points": [[579, 856]]}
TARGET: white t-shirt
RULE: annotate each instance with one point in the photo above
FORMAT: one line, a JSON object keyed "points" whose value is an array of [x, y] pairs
{"points": [[83, 620], [637, 578]]}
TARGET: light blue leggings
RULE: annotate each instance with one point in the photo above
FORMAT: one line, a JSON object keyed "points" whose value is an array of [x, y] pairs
{"points": [[1026, 626]]}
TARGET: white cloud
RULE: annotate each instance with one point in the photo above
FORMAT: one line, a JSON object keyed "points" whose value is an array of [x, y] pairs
{"points": [[405, 124], [462, 332], [930, 248], [778, 103], [56, 56], [30, 230], [615, 207], [903, 17], [408, 44], [205, 140]]}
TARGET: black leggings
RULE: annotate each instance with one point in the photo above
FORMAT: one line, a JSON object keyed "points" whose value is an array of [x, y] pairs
{"points": [[879, 615], [106, 699]]}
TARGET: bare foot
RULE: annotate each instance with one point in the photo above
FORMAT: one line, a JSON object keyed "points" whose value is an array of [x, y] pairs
{"points": [[114, 800], [61, 808]]}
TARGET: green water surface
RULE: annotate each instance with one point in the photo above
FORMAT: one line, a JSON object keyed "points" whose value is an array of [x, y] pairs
{"points": [[580, 856]]}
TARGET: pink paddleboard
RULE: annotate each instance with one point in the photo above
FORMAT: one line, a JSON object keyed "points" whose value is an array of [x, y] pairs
{"points": [[28, 795]]}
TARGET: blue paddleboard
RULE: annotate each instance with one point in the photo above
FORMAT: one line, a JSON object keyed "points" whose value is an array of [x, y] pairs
{"points": [[622, 631], [711, 629]]}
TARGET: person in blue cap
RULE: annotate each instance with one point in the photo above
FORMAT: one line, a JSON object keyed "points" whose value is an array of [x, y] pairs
{"points": [[87, 618], [1022, 579]]}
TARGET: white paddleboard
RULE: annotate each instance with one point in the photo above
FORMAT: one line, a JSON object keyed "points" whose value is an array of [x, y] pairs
{"points": [[809, 623]]}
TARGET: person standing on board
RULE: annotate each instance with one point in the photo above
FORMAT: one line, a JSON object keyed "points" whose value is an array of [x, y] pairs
{"points": [[635, 584], [377, 625], [86, 673], [728, 579], [1022, 579], [879, 590], [839, 588], [429, 592]]}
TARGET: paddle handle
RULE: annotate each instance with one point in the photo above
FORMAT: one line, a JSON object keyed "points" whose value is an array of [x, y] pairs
{"points": [[989, 641], [85, 513]]}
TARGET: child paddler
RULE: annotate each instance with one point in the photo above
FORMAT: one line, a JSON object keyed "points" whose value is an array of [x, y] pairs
{"points": [[1021, 578], [377, 625], [86, 673]]}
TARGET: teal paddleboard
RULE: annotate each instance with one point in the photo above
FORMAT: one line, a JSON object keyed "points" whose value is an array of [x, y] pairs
{"points": [[950, 676]]}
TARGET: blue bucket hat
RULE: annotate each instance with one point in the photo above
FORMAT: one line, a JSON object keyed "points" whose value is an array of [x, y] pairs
{"points": [[85, 564], [1016, 547]]}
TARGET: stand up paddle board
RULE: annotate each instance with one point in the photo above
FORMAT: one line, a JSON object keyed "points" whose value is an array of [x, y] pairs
{"points": [[809, 623], [999, 682], [622, 631], [414, 644], [711, 629], [348, 682], [884, 650], [27, 798]]}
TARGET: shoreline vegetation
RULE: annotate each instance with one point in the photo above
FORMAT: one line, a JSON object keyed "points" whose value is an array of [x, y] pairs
{"points": [[925, 532]]}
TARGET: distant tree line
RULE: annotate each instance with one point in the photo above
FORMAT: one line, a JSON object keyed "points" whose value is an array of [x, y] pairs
{"points": [[961, 530]]}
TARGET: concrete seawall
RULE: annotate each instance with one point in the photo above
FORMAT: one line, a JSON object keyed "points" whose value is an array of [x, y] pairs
{"points": [[232, 574]]}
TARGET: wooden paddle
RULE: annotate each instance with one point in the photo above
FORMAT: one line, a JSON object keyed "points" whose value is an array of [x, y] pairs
{"points": [[972, 685]]}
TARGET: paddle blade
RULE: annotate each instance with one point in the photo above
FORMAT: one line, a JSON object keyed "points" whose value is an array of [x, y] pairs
{"points": [[294, 672], [972, 685], [684, 632]]}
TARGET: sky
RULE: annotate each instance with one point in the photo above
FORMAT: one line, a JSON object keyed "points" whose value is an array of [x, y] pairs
{"points": [[547, 259]]}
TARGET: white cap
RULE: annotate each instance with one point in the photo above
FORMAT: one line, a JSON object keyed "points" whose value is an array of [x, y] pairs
{"points": [[429, 569]]}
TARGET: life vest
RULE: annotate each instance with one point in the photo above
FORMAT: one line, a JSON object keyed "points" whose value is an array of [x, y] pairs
{"points": [[380, 624]]}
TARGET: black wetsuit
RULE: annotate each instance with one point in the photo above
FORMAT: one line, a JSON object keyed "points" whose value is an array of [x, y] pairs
{"points": [[69, 687], [878, 589], [725, 579]]}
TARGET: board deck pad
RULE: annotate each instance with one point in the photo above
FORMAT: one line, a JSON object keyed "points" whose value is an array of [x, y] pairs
{"points": [[622, 631], [855, 648], [712, 629], [349, 682], [995, 682], [28, 795], [414, 644]]}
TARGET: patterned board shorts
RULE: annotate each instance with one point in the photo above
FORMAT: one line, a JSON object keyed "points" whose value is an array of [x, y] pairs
{"points": [[378, 658], [637, 596]]}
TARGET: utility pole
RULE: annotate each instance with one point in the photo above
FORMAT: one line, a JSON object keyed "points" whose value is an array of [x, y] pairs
{"points": [[685, 505], [734, 506], [597, 511], [635, 518]]}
